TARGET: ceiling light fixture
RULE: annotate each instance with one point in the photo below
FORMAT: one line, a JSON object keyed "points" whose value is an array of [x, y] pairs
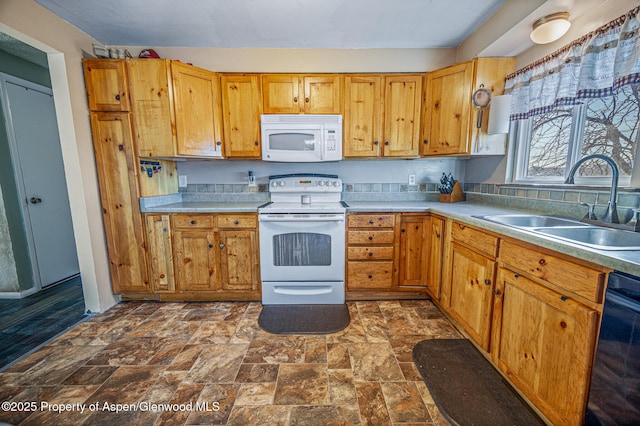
{"points": [[550, 28]]}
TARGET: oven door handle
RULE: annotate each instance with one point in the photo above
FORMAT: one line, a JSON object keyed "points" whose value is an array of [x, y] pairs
{"points": [[302, 291], [301, 218]]}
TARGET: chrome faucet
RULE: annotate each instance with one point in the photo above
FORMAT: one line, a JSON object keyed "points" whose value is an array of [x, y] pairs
{"points": [[611, 215]]}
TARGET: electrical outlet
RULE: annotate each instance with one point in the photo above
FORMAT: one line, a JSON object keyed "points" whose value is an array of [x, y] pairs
{"points": [[412, 179], [182, 181]]}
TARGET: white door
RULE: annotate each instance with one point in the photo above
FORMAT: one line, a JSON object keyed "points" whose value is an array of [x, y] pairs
{"points": [[37, 159]]}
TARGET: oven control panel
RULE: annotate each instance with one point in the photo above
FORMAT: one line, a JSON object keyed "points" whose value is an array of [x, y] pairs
{"points": [[305, 183]]}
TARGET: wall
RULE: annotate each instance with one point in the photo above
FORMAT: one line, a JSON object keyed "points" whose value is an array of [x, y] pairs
{"points": [[65, 46], [493, 170], [13, 237]]}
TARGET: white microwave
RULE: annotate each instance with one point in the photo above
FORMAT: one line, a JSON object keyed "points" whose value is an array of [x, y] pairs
{"points": [[301, 138]]}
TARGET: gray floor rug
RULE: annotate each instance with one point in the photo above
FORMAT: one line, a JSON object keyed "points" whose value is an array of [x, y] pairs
{"points": [[466, 388], [304, 319]]}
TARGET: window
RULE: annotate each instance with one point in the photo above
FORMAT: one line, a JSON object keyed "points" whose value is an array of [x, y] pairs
{"points": [[549, 144]]}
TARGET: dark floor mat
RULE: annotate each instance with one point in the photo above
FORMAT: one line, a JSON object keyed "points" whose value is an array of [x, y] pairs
{"points": [[304, 319], [465, 386]]}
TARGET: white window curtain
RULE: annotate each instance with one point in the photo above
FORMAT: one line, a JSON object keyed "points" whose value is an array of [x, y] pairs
{"points": [[590, 67]]}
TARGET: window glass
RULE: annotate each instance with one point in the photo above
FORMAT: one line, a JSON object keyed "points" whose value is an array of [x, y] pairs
{"points": [[302, 249], [549, 145], [611, 128]]}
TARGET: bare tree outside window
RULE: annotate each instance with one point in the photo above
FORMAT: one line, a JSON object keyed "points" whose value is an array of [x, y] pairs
{"points": [[549, 143], [611, 129]]}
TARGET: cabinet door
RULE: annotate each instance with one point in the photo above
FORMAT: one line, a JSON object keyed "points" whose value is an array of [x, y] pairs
{"points": [[322, 94], [116, 165], [414, 251], [402, 115], [362, 116], [160, 252], [280, 94], [472, 280], [197, 110], [436, 248], [106, 82], [447, 110], [239, 260], [151, 98], [195, 259], [241, 109], [544, 343]]}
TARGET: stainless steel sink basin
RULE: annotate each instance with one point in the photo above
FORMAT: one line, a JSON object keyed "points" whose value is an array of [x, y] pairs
{"points": [[531, 221], [595, 237]]}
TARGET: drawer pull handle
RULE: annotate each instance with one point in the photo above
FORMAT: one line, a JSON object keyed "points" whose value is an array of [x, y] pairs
{"points": [[370, 237], [193, 222], [371, 222]]}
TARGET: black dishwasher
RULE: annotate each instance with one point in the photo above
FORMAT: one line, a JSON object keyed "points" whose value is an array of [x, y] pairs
{"points": [[614, 396]]}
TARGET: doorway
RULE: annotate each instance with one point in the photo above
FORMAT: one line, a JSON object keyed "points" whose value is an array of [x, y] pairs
{"points": [[34, 143]]}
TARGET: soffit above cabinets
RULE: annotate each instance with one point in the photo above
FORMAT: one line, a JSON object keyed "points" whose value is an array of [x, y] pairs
{"points": [[357, 24]]}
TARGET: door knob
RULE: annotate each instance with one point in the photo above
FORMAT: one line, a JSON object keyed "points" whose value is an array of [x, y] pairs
{"points": [[35, 200]]}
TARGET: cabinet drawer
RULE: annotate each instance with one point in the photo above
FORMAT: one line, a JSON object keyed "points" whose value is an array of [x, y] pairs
{"points": [[578, 279], [484, 243], [369, 275], [192, 221], [236, 221], [373, 236], [372, 221], [370, 253]]}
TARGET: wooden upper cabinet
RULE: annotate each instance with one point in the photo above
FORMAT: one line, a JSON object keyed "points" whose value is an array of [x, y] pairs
{"points": [[403, 96], [116, 166], [197, 111], [447, 109], [241, 108], [295, 94], [363, 125], [106, 82], [449, 118], [152, 104]]}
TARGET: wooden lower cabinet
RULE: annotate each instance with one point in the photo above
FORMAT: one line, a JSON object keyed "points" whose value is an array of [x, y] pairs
{"points": [[414, 251], [195, 259], [470, 302], [544, 342], [435, 256], [204, 256]]}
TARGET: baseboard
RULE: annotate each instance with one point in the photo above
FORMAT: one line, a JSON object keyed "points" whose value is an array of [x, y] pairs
{"points": [[18, 294]]}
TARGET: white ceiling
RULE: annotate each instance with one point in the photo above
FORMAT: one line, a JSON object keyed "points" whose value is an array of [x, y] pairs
{"points": [[277, 23]]}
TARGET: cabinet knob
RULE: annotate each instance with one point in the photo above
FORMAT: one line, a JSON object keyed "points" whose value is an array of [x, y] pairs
{"points": [[386, 142], [403, 230], [218, 143], [426, 141], [193, 222], [117, 97], [376, 143], [120, 147], [295, 99], [487, 281], [370, 254], [256, 143], [306, 100], [497, 292], [370, 276], [371, 222], [221, 245], [370, 237], [516, 276], [210, 245], [235, 222]]}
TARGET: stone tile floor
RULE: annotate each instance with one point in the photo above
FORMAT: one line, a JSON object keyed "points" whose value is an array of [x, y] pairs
{"points": [[209, 363]]}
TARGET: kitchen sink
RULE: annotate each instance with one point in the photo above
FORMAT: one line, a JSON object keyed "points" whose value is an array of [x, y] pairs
{"points": [[595, 237], [532, 221]]}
